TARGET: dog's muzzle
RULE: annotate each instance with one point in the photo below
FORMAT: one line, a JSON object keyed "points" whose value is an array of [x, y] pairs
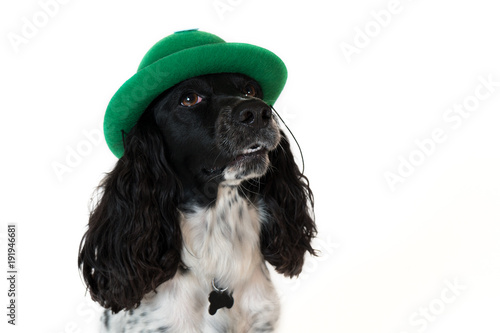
{"points": [[246, 131]]}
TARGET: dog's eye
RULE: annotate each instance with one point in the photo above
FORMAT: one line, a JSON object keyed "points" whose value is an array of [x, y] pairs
{"points": [[190, 99], [250, 90]]}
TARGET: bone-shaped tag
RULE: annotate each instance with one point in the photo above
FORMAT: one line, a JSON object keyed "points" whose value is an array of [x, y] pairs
{"points": [[219, 300]]}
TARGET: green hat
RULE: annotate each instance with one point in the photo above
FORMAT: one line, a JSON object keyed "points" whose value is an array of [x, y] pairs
{"points": [[180, 56]]}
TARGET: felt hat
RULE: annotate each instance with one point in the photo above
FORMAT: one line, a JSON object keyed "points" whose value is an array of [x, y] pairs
{"points": [[180, 56]]}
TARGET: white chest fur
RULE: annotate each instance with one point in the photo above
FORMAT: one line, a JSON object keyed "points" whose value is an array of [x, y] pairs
{"points": [[221, 243]]}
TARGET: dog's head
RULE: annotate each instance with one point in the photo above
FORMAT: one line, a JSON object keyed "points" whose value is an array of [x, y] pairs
{"points": [[216, 128], [204, 132]]}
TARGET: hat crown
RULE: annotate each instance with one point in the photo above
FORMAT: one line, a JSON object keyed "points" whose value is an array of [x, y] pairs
{"points": [[176, 42]]}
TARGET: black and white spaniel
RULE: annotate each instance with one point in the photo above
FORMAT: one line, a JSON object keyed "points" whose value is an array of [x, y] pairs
{"points": [[206, 192]]}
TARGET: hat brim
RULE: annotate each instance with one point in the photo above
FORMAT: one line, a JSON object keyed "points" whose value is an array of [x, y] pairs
{"points": [[134, 96]]}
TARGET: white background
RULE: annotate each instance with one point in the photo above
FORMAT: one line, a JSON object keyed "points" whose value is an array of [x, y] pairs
{"points": [[386, 254]]}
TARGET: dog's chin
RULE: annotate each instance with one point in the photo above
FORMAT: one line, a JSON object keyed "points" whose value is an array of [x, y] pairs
{"points": [[246, 166]]}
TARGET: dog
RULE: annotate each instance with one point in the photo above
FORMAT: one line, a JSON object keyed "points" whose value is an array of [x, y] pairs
{"points": [[206, 192]]}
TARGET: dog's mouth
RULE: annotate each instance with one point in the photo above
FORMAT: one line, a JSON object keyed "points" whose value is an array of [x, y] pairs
{"points": [[250, 155]]}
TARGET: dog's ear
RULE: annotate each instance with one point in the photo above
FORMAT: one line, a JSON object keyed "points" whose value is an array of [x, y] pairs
{"points": [[287, 233], [133, 242]]}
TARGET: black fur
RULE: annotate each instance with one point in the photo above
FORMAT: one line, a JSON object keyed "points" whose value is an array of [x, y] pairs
{"points": [[288, 233], [133, 241]]}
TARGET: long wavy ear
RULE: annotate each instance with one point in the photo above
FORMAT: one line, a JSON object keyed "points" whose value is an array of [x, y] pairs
{"points": [[133, 242], [287, 234]]}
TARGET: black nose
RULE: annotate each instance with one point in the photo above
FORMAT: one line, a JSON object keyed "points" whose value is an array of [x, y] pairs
{"points": [[255, 114]]}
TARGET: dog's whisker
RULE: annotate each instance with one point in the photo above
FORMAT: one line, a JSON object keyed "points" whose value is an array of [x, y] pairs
{"points": [[250, 202], [250, 191]]}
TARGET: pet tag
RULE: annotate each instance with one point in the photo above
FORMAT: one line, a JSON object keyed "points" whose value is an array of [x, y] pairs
{"points": [[219, 299]]}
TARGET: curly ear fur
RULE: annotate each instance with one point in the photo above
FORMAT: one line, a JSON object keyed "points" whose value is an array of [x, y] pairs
{"points": [[133, 242], [287, 234]]}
